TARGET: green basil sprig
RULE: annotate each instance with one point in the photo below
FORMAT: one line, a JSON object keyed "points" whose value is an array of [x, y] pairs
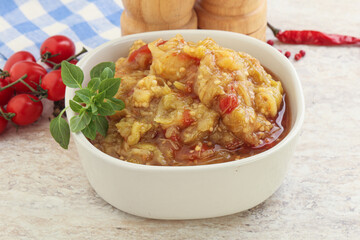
{"points": [[92, 103]]}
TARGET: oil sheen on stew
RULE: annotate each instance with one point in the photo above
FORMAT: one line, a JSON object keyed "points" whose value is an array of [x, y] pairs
{"points": [[193, 104]]}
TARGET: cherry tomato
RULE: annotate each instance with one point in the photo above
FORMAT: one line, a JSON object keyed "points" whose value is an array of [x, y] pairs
{"points": [[58, 44], [74, 61], [187, 119], [3, 123], [7, 93], [34, 72], [161, 42], [228, 103], [52, 82], [27, 109], [142, 50], [18, 57], [187, 57]]}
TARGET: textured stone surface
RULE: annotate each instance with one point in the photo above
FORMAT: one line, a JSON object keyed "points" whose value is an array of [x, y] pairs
{"points": [[44, 193]]}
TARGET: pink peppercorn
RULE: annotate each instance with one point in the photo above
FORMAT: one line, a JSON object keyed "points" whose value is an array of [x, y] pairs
{"points": [[298, 56], [287, 54], [270, 42], [302, 53]]}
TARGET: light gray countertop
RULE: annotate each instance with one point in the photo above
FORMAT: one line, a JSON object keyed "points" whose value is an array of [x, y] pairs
{"points": [[44, 193]]}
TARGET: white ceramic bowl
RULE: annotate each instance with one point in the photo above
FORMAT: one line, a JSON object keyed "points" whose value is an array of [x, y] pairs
{"points": [[191, 192]]}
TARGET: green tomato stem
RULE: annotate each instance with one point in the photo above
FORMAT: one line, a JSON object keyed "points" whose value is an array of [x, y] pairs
{"points": [[84, 50], [51, 62], [17, 81], [4, 73], [7, 116]]}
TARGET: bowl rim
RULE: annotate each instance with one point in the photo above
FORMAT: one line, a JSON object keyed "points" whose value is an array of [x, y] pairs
{"points": [[300, 102]]}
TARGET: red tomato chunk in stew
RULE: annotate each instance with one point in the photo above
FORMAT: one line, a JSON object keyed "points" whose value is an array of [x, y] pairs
{"points": [[192, 104]]}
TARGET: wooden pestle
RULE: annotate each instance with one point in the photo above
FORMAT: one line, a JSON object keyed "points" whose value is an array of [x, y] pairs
{"points": [[153, 15]]}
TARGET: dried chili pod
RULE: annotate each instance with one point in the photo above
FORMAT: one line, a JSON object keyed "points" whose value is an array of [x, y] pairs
{"points": [[311, 37]]}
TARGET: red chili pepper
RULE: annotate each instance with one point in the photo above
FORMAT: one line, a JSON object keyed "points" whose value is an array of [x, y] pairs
{"points": [[312, 37]]}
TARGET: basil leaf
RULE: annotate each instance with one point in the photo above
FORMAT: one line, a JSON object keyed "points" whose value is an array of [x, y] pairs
{"points": [[90, 131], [99, 98], [106, 73], [84, 94], [117, 104], [101, 124], [59, 129], [110, 86], [79, 122], [93, 84], [77, 99], [71, 75], [105, 109], [94, 108], [75, 106], [98, 69]]}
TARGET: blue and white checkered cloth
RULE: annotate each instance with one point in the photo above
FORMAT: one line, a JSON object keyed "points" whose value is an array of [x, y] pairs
{"points": [[25, 24]]}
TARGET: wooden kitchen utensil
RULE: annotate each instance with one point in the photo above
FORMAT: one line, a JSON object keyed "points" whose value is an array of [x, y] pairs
{"points": [[154, 15], [260, 33], [243, 16], [230, 7]]}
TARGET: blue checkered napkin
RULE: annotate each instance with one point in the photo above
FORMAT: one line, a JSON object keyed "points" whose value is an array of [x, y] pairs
{"points": [[25, 24]]}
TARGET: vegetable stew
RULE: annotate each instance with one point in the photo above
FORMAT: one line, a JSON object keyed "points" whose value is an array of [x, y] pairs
{"points": [[192, 104]]}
